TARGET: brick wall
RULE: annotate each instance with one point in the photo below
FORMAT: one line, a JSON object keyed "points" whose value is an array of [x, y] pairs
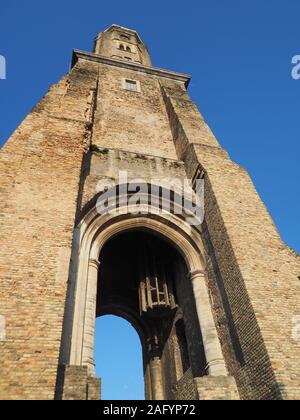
{"points": [[252, 273], [40, 173]]}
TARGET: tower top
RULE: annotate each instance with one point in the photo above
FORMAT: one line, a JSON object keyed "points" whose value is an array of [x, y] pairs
{"points": [[122, 43]]}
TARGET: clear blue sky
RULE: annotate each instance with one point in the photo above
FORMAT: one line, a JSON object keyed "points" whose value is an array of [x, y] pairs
{"points": [[239, 53]]}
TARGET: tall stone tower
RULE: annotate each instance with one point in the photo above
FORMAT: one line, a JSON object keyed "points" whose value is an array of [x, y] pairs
{"points": [[215, 305]]}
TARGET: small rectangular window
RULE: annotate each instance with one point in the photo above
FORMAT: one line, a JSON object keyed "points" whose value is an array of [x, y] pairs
{"points": [[131, 85]]}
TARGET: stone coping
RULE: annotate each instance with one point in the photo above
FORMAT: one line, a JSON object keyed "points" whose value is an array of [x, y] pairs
{"points": [[79, 55]]}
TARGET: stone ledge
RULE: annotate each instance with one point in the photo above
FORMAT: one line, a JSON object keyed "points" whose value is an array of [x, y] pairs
{"points": [[79, 55]]}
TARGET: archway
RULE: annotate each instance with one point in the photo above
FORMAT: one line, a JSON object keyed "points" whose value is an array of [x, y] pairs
{"points": [[118, 359], [91, 236], [143, 279]]}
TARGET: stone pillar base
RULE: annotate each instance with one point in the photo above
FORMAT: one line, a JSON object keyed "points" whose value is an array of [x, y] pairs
{"points": [[217, 388], [206, 388], [94, 389], [78, 385]]}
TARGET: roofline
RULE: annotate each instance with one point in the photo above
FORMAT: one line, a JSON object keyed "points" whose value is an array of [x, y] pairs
{"points": [[114, 25], [79, 55]]}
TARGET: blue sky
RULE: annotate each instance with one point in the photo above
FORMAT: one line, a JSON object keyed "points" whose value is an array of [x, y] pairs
{"points": [[239, 53], [119, 363]]}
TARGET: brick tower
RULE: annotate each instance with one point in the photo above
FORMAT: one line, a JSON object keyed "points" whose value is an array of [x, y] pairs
{"points": [[215, 305]]}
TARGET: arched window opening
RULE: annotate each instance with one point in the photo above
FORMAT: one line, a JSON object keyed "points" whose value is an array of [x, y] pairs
{"points": [[122, 48], [128, 49], [183, 346], [118, 359]]}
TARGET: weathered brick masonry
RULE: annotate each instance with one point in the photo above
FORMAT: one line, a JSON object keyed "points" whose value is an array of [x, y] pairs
{"points": [[48, 181], [40, 176]]}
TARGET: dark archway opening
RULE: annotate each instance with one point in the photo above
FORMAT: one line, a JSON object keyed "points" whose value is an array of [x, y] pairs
{"points": [[143, 279]]}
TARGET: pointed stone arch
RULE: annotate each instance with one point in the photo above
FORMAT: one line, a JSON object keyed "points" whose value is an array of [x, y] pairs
{"points": [[91, 234]]}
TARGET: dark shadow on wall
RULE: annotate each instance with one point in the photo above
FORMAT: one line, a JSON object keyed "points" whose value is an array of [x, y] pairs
{"points": [[231, 325], [261, 364]]}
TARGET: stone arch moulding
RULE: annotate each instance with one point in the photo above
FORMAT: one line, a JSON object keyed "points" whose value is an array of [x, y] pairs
{"points": [[91, 234]]}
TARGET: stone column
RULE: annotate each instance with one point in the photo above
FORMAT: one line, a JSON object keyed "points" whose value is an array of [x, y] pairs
{"points": [[156, 379], [90, 317], [212, 347]]}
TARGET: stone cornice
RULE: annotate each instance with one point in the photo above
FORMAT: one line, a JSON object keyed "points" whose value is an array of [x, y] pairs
{"points": [[155, 71], [122, 28]]}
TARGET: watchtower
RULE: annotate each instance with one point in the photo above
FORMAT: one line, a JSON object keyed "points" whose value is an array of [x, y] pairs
{"points": [[213, 302]]}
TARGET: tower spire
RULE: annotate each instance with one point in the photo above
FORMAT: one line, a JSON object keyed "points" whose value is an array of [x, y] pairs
{"points": [[123, 44]]}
